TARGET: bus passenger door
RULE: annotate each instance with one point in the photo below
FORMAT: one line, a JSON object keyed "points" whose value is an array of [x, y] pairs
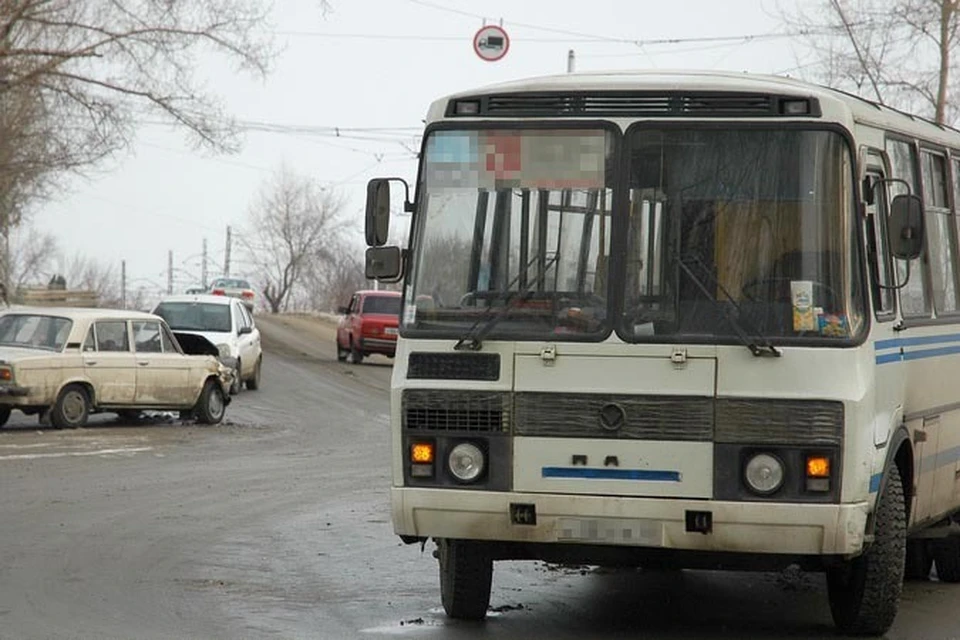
{"points": [[889, 387]]}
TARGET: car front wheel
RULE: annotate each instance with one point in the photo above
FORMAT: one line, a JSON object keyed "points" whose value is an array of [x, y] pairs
{"points": [[4, 415], [211, 406], [71, 409], [253, 383], [237, 383]]}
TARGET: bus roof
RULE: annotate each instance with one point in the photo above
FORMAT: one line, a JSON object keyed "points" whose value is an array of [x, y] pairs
{"points": [[837, 105]]}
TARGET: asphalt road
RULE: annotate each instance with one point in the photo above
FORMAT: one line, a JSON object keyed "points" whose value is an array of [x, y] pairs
{"points": [[276, 525]]}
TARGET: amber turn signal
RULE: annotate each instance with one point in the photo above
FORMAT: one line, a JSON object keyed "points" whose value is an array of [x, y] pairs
{"points": [[421, 452], [818, 467]]}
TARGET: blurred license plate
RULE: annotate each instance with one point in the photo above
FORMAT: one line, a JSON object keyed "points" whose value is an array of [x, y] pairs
{"points": [[390, 331], [610, 530]]}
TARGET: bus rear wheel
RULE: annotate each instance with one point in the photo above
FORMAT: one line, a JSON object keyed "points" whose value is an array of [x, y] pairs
{"points": [[946, 555], [466, 575], [919, 560], [864, 592]]}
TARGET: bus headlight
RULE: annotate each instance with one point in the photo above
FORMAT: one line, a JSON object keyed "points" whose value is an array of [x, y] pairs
{"points": [[763, 473], [466, 462]]}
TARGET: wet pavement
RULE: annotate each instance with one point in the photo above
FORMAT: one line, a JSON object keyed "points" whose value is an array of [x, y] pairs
{"points": [[276, 524]]}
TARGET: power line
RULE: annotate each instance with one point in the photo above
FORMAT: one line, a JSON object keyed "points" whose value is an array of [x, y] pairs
{"points": [[634, 41]]}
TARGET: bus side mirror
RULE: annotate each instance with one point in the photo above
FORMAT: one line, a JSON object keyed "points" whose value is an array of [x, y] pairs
{"points": [[378, 212], [384, 263], [906, 226]]}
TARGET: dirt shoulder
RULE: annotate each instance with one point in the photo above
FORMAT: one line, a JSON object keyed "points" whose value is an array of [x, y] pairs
{"points": [[307, 334]]}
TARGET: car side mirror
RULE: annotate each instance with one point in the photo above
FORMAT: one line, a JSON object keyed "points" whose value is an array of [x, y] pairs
{"points": [[343, 310], [245, 330], [906, 226]]}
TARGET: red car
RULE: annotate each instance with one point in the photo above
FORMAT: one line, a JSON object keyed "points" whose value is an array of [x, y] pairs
{"points": [[369, 325]]}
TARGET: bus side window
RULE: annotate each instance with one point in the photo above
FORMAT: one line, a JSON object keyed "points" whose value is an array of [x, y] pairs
{"points": [[939, 231], [914, 296]]}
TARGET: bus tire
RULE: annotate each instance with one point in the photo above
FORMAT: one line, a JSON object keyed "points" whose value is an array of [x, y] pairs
{"points": [[466, 575], [864, 593], [919, 560], [946, 555]]}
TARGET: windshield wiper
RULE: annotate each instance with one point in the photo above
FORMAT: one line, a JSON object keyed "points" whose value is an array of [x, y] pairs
{"points": [[765, 347], [472, 339]]}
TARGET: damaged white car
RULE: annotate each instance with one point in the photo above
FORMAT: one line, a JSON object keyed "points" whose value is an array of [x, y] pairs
{"points": [[66, 364]]}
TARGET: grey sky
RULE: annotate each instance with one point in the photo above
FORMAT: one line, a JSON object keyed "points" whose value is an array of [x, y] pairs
{"points": [[372, 64]]}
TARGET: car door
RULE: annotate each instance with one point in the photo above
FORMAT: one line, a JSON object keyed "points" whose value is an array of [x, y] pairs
{"points": [[109, 364], [162, 371], [355, 318], [343, 325], [250, 339], [241, 329]]}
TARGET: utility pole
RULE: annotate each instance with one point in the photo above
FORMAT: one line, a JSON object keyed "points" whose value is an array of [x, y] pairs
{"points": [[203, 267], [170, 272], [226, 256], [123, 284]]}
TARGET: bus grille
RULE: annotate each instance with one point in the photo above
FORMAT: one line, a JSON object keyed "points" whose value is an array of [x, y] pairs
{"points": [[623, 103], [645, 417], [453, 366], [776, 421], [447, 410]]}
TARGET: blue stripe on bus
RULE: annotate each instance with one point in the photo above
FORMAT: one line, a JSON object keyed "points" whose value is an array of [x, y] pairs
{"points": [[890, 357], [879, 345], [920, 354], [929, 464], [586, 473]]}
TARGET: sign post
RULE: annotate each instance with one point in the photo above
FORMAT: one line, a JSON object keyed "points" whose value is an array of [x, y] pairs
{"points": [[491, 43]]}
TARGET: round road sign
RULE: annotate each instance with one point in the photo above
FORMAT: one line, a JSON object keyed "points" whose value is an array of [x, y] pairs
{"points": [[491, 43]]}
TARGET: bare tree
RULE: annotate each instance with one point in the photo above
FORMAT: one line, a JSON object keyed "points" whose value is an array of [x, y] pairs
{"points": [[896, 52], [77, 76], [32, 256], [292, 224], [86, 273], [332, 279]]}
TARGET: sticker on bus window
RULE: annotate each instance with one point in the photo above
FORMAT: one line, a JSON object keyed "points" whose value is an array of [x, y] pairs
{"points": [[804, 316]]}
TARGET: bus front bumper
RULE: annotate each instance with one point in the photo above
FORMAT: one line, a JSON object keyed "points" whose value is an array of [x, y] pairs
{"points": [[744, 527]]}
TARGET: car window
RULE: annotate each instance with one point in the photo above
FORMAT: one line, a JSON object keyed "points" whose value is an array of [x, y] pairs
{"points": [[388, 305], [248, 318], [166, 339], [237, 317], [34, 331], [90, 343], [147, 337], [196, 316], [354, 304], [112, 335], [243, 316]]}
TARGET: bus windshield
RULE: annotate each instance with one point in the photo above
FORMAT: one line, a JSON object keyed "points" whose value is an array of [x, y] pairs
{"points": [[514, 230], [740, 230], [728, 235]]}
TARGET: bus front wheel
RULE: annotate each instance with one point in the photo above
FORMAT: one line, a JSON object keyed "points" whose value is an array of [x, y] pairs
{"points": [[864, 592], [466, 574]]}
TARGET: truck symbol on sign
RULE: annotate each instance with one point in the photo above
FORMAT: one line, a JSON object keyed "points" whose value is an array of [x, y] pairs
{"points": [[491, 42]]}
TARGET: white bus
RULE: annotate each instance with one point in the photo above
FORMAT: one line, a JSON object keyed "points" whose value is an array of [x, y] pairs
{"points": [[682, 320]]}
